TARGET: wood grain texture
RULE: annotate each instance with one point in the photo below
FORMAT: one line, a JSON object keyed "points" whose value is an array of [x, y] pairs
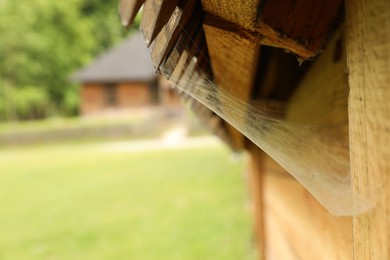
{"points": [[242, 13], [301, 27], [368, 56], [182, 24], [262, 34], [128, 9], [308, 23], [319, 113], [165, 40], [296, 225], [234, 62], [158, 14], [322, 95], [255, 177]]}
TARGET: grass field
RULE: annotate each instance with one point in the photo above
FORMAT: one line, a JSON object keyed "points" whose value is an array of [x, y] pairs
{"points": [[79, 201]]}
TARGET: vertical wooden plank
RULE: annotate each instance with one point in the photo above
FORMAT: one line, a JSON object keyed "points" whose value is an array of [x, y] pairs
{"points": [[319, 107], [368, 57], [322, 95], [255, 179], [296, 226]]}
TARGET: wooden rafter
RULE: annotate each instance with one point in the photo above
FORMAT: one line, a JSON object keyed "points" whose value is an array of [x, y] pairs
{"points": [[128, 9]]}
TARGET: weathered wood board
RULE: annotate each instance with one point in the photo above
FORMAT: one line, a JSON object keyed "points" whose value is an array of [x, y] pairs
{"points": [[296, 226], [234, 61], [255, 177], [301, 27], [368, 56]]}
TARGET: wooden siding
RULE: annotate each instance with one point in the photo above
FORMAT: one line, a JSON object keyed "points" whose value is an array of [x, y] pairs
{"points": [[290, 222], [128, 95], [368, 56]]}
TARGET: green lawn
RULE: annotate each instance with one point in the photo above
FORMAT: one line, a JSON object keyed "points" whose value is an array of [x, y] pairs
{"points": [[81, 202]]}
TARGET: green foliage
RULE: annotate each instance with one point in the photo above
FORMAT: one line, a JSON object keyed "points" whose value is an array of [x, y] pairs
{"points": [[30, 103], [71, 101], [24, 103], [42, 43]]}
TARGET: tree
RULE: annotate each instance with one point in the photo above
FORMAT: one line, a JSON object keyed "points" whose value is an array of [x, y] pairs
{"points": [[42, 43]]}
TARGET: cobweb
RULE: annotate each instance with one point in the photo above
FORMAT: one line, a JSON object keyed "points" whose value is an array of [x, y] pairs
{"points": [[307, 150]]}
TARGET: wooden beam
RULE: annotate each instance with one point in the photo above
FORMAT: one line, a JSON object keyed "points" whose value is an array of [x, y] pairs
{"points": [[368, 56], [301, 27], [182, 24], [158, 15], [128, 9], [262, 34], [234, 62], [241, 13], [306, 23]]}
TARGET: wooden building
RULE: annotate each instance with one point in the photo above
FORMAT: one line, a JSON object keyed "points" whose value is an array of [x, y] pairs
{"points": [[122, 80], [226, 56]]}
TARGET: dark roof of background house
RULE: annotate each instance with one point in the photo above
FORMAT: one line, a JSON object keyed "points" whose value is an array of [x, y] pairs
{"points": [[129, 61]]}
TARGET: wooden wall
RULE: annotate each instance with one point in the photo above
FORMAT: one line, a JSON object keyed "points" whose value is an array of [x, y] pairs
{"points": [[368, 57], [290, 222], [293, 224], [127, 95]]}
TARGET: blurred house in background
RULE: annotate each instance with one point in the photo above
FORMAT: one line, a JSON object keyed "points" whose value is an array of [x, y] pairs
{"points": [[123, 81]]}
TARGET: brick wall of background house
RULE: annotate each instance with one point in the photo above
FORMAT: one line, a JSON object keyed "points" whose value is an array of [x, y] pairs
{"points": [[94, 98]]}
